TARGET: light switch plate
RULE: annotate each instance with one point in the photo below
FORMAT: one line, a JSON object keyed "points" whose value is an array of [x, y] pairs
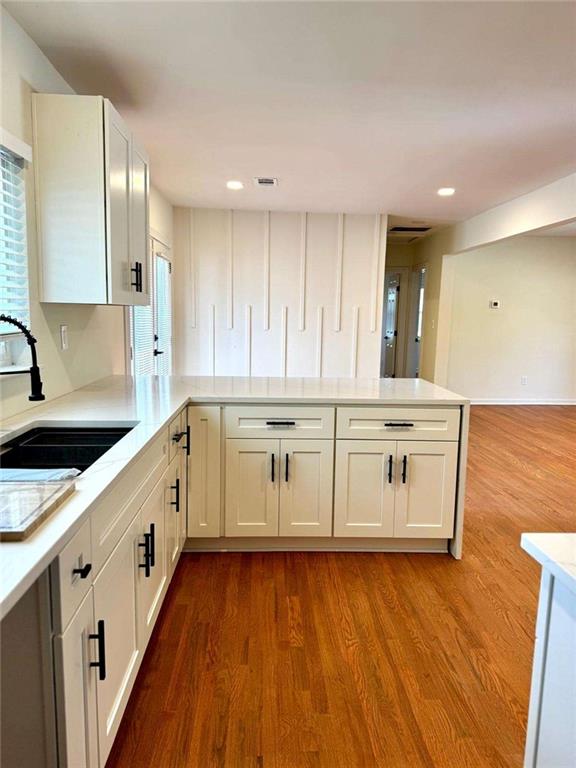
{"points": [[63, 337]]}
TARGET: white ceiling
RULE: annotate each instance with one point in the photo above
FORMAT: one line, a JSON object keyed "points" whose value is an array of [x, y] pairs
{"points": [[353, 106]]}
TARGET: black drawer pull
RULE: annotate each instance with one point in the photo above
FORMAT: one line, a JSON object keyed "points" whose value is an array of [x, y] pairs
{"points": [[177, 436], [390, 463], [176, 488], [287, 460], [187, 446], [398, 423], [147, 555], [404, 468], [101, 663], [273, 465], [84, 571], [280, 423]]}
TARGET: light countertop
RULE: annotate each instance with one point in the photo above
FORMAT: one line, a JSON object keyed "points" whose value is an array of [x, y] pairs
{"points": [[556, 552], [152, 402]]}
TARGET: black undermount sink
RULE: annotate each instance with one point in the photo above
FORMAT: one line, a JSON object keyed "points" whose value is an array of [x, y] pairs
{"points": [[59, 447]]}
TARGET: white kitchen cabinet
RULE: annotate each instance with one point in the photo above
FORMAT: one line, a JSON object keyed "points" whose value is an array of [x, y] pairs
{"points": [[252, 483], [116, 621], [76, 682], [204, 480], [364, 488], [306, 483], [279, 487], [174, 514], [92, 190], [150, 571], [425, 489]]}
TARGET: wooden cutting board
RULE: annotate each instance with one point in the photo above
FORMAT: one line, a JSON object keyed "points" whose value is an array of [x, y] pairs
{"points": [[23, 506]]}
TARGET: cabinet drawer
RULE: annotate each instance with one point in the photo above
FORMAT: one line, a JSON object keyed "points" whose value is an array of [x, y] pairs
{"points": [[398, 423], [279, 421], [71, 577], [117, 508], [177, 435]]}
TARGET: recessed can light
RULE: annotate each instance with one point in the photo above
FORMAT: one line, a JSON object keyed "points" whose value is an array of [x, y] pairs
{"points": [[446, 191], [234, 185]]}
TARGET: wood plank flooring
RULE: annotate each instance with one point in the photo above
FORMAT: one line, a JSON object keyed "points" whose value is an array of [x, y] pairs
{"points": [[364, 660]]}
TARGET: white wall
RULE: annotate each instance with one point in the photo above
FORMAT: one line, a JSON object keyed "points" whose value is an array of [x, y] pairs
{"points": [[161, 218], [96, 348], [534, 332], [278, 294]]}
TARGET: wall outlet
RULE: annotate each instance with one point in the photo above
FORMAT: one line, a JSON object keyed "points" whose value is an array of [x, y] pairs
{"points": [[63, 337], [523, 380], [494, 304]]}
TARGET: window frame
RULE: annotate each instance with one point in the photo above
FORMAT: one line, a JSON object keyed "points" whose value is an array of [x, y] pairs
{"points": [[23, 151]]}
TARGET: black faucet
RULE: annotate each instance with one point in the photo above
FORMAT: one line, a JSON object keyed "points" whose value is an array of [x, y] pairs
{"points": [[35, 380]]}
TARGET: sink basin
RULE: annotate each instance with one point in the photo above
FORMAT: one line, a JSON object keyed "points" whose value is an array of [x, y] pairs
{"points": [[51, 447]]}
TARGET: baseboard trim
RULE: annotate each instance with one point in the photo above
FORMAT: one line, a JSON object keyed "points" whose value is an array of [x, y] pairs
{"points": [[519, 401]]}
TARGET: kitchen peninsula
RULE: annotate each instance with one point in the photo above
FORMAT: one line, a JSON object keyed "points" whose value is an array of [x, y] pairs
{"points": [[214, 463]]}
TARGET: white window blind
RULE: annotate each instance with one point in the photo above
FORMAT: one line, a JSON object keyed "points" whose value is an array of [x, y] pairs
{"points": [[143, 334], [14, 299]]}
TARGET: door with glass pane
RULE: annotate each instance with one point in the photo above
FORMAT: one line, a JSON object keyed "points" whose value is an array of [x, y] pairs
{"points": [[151, 326]]}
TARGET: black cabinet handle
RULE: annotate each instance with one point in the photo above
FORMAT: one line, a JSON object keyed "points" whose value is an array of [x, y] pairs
{"points": [[177, 437], [404, 468], [280, 423], [101, 663], [137, 269], [176, 488], [147, 563], [152, 545], [390, 463], [187, 446], [84, 571], [398, 423], [273, 465], [287, 459]]}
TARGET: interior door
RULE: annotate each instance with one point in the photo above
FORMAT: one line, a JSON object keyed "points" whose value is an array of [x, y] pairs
{"points": [[364, 488], [252, 487], [117, 153], [390, 329], [306, 480], [425, 489]]}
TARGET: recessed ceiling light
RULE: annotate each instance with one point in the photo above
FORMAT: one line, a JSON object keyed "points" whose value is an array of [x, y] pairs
{"points": [[234, 185], [446, 191]]}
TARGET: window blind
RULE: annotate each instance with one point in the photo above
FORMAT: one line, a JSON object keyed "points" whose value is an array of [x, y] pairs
{"points": [[14, 299]]}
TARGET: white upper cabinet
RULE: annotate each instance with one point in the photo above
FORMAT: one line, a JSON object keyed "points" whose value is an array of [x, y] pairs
{"points": [[92, 189]]}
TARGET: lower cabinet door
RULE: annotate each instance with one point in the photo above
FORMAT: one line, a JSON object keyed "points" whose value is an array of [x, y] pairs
{"points": [[364, 488], [76, 690], [425, 489], [252, 483], [117, 650], [306, 485], [204, 471], [173, 515], [151, 574]]}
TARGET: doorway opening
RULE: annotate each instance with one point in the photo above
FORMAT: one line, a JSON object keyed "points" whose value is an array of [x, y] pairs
{"points": [[415, 322]]}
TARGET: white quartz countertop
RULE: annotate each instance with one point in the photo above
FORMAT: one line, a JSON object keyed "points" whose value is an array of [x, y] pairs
{"points": [[152, 402], [556, 552]]}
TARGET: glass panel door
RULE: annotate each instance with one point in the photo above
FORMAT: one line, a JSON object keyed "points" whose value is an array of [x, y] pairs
{"points": [[162, 314]]}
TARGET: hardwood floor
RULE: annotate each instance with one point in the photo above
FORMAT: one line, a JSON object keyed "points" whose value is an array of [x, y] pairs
{"points": [[361, 660]]}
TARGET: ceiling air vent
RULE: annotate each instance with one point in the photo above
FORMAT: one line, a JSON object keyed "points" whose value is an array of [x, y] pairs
{"points": [[410, 230], [266, 181]]}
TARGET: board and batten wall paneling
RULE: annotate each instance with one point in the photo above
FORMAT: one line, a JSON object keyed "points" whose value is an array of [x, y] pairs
{"points": [[278, 294]]}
